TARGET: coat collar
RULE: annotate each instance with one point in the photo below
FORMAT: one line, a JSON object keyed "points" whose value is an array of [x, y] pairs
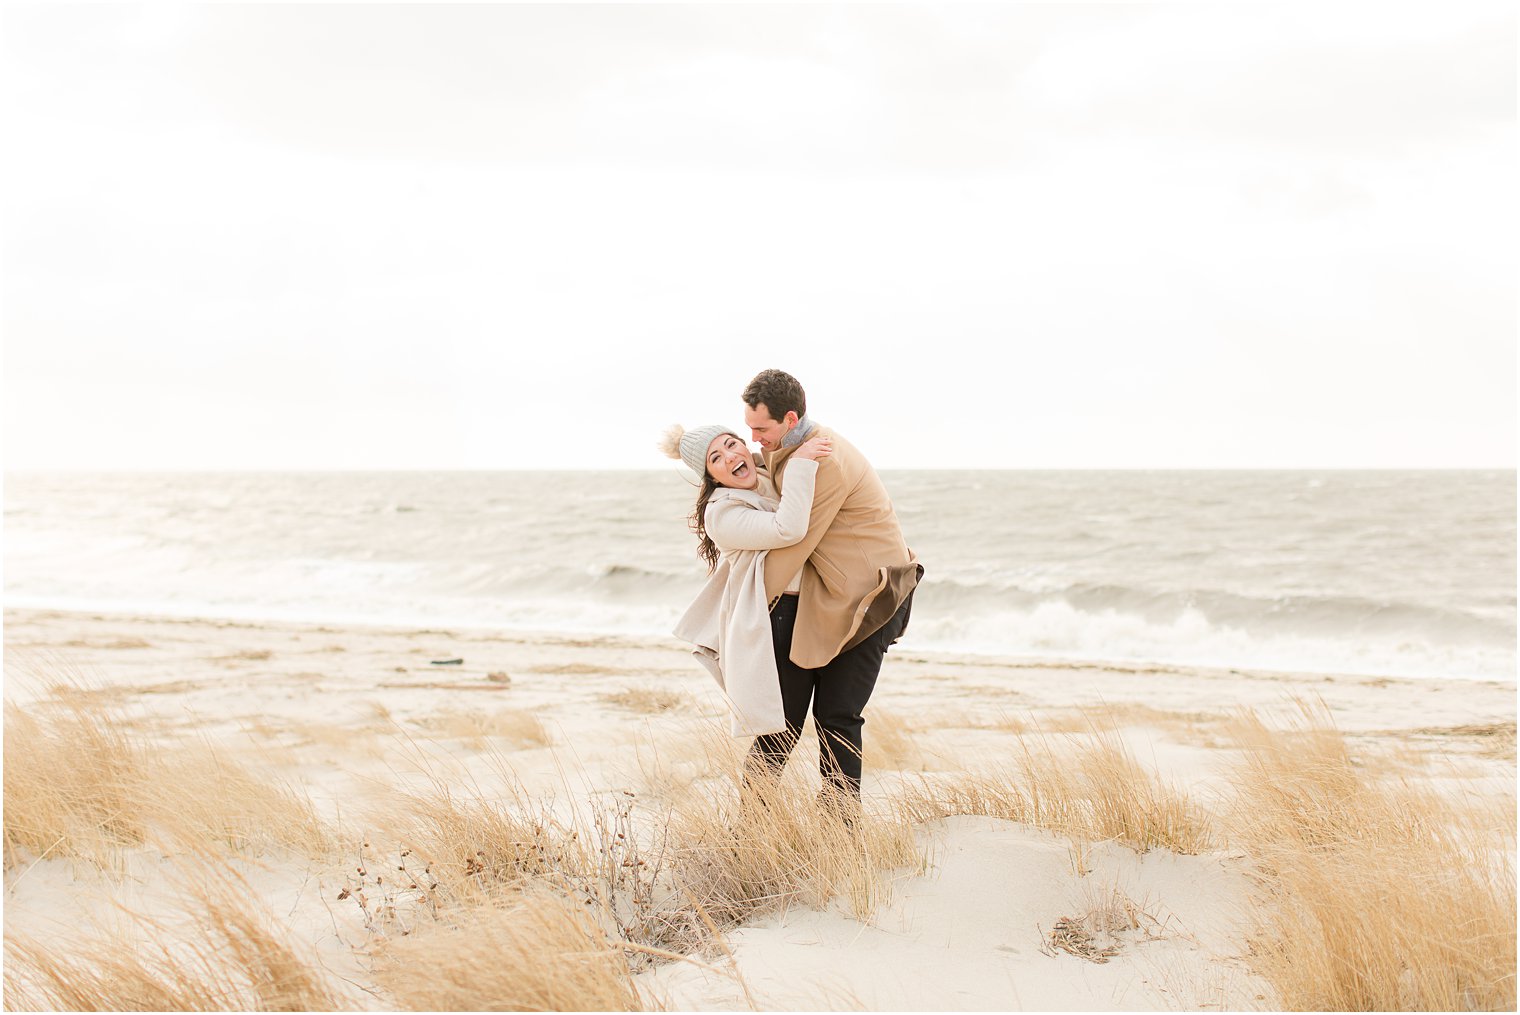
{"points": [[763, 496]]}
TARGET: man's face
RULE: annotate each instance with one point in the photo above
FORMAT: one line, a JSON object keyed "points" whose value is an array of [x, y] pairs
{"points": [[730, 463], [767, 431]]}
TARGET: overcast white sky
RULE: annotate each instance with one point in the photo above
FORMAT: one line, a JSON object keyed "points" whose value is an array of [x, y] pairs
{"points": [[1051, 236]]}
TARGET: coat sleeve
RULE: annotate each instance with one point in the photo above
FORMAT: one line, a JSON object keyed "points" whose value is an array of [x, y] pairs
{"points": [[831, 493], [736, 526]]}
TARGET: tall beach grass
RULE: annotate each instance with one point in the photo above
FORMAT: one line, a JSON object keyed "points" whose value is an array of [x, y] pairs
{"points": [[1377, 894], [1374, 891]]}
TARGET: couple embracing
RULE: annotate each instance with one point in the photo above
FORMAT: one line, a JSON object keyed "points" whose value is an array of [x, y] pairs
{"points": [[811, 580]]}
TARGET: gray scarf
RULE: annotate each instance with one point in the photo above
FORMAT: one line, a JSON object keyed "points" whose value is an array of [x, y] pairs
{"points": [[799, 433]]}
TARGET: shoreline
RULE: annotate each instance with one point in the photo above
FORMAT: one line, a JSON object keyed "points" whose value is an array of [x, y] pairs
{"points": [[929, 655]]}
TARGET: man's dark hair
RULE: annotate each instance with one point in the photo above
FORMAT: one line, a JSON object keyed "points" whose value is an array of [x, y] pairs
{"points": [[779, 392]]}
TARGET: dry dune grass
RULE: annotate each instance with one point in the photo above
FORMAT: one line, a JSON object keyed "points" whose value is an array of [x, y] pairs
{"points": [[1093, 790], [80, 692], [467, 854], [573, 669], [537, 952], [518, 727], [1107, 925], [1494, 740], [1399, 758], [662, 879], [891, 742], [475, 846], [669, 768], [113, 643], [1377, 895], [78, 784], [779, 843], [939, 717], [1007, 722], [71, 781], [1184, 726], [205, 797], [247, 655], [364, 733], [225, 958], [648, 700], [365, 739]]}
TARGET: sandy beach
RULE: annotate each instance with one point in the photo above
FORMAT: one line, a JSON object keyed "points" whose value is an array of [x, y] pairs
{"points": [[384, 383], [355, 720]]}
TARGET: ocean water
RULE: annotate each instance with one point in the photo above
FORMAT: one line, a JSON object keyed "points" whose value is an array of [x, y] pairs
{"points": [[1388, 573]]}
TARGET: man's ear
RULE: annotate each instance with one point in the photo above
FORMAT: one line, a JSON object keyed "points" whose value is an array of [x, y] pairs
{"points": [[790, 419]]}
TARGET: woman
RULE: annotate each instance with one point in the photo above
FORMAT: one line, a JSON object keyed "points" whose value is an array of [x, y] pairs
{"points": [[738, 518]]}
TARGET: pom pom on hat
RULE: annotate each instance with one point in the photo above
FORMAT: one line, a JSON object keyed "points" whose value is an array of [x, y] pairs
{"points": [[670, 441]]}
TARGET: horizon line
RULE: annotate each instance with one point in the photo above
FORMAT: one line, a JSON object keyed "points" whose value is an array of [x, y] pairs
{"points": [[254, 470]]}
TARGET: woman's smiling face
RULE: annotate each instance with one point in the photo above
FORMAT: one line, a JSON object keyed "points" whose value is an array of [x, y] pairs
{"points": [[730, 463]]}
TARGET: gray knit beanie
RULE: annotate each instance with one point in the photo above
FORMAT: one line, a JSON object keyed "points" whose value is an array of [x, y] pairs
{"points": [[690, 446]]}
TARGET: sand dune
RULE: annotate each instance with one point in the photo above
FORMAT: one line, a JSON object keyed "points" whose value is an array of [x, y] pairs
{"points": [[1040, 835], [974, 932]]}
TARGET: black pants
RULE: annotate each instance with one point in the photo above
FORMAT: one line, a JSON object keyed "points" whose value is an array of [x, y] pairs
{"points": [[838, 692]]}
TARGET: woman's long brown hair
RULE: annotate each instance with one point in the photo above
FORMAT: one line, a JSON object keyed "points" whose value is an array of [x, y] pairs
{"points": [[706, 548]]}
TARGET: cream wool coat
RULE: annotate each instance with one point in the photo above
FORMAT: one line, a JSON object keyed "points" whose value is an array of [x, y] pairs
{"points": [[729, 621]]}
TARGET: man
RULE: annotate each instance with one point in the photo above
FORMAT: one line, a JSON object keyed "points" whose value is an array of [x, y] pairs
{"points": [[854, 578]]}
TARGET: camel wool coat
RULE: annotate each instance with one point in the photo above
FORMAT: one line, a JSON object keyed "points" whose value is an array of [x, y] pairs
{"points": [[856, 567]]}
